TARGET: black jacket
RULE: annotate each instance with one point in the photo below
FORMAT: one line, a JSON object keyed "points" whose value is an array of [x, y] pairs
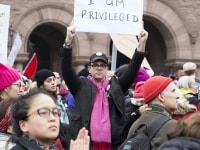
{"points": [[181, 143], [24, 144], [84, 93]]}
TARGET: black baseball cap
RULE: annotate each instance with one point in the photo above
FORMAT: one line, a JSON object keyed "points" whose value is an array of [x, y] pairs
{"points": [[98, 56]]}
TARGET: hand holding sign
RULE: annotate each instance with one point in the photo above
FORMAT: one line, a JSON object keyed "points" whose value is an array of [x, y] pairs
{"points": [[70, 34], [142, 40]]}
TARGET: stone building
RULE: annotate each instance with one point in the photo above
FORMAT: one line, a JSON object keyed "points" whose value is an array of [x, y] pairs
{"points": [[173, 27]]}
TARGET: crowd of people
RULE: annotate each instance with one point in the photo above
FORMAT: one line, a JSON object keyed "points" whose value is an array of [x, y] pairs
{"points": [[94, 110]]}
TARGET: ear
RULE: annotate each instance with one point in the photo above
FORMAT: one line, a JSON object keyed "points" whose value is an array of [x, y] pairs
{"points": [[7, 89], [89, 69], [23, 126], [161, 98]]}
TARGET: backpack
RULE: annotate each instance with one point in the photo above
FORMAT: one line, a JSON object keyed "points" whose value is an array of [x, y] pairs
{"points": [[141, 140]]}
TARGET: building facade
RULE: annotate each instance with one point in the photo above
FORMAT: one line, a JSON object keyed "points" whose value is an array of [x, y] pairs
{"points": [[173, 26]]}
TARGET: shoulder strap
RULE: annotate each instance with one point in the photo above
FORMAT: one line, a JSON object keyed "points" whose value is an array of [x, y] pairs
{"points": [[153, 128]]}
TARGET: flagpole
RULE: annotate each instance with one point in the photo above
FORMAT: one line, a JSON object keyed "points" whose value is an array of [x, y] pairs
{"points": [[114, 57]]}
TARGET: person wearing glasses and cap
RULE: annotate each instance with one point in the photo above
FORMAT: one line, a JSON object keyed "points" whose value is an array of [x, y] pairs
{"points": [[99, 102]]}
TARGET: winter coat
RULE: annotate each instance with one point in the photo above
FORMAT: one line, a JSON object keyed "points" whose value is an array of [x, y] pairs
{"points": [[25, 144], [84, 93], [4, 140], [181, 143], [151, 113], [190, 96]]}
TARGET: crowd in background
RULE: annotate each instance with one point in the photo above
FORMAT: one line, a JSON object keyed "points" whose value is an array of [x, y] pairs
{"points": [[94, 109]]}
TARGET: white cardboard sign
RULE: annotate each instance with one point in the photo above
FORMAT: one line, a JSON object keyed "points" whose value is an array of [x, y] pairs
{"points": [[126, 44], [15, 50], [108, 16], [4, 25]]}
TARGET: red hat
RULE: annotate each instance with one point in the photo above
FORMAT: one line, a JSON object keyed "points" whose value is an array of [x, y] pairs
{"points": [[154, 86], [138, 90]]}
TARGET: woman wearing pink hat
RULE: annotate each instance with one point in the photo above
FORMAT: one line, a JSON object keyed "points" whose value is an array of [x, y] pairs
{"points": [[10, 82], [10, 87]]}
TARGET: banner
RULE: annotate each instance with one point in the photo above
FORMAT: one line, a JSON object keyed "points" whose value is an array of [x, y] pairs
{"points": [[126, 44], [15, 50], [31, 67], [4, 25], [108, 16]]}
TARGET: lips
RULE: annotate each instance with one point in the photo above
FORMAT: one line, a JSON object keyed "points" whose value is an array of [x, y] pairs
{"points": [[53, 127]]}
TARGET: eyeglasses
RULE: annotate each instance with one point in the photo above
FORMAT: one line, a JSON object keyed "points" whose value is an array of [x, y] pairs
{"points": [[18, 84], [97, 66], [45, 112]]}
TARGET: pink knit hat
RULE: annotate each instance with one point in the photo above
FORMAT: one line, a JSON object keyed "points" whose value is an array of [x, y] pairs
{"points": [[138, 90], [8, 76], [141, 76]]}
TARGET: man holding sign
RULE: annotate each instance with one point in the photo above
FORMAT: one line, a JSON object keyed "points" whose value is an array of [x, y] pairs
{"points": [[99, 101]]}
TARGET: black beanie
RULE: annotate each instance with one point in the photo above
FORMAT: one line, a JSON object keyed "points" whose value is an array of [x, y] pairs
{"points": [[41, 75]]}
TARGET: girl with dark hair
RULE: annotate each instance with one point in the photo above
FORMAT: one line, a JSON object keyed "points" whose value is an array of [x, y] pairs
{"points": [[35, 121], [36, 124]]}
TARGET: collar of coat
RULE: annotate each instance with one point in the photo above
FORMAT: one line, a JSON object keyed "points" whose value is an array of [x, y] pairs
{"points": [[158, 109]]}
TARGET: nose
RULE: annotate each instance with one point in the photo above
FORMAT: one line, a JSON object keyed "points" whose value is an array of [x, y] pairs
{"points": [[52, 117]]}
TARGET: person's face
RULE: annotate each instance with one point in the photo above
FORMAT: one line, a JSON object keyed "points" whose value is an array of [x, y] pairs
{"points": [[50, 84], [42, 124], [169, 97], [98, 70], [58, 80], [13, 91]]}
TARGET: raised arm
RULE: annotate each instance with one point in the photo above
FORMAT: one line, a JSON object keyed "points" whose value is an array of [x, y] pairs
{"points": [[71, 79], [130, 74]]}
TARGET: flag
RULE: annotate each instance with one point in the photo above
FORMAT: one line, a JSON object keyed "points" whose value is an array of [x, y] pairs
{"points": [[31, 67]]}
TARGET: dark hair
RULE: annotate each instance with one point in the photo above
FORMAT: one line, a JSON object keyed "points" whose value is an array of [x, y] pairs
{"points": [[189, 72], [21, 108], [189, 127]]}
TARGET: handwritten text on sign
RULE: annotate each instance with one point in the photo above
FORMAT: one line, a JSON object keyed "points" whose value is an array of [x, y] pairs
{"points": [[4, 25], [108, 16]]}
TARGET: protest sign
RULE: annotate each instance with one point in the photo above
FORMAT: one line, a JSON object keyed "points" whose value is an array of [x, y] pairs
{"points": [[108, 16], [15, 49], [4, 25], [126, 44]]}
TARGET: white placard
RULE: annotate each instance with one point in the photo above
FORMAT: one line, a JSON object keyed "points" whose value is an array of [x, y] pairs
{"points": [[126, 44], [15, 49], [108, 16], [4, 25]]}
